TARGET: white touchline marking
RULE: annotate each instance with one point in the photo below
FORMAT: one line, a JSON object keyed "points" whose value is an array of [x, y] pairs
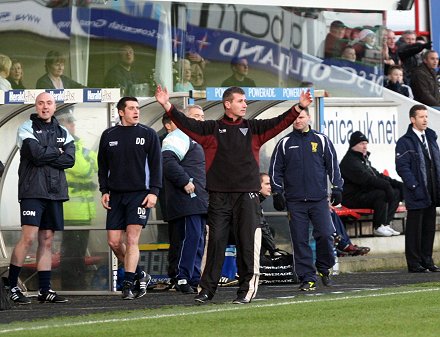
{"points": [[238, 307]]}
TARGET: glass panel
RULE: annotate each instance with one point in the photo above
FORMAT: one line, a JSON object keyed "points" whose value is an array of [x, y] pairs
{"points": [[133, 45]]}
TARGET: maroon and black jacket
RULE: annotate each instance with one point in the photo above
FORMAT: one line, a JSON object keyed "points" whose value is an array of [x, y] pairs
{"points": [[232, 148]]}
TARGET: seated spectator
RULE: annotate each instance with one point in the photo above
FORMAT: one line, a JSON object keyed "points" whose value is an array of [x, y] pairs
{"points": [[344, 246], [334, 41], [267, 239], [395, 82], [54, 78], [424, 80], [240, 70], [5, 67], [16, 75], [123, 75], [365, 187], [366, 48], [198, 65], [409, 53], [185, 74]]}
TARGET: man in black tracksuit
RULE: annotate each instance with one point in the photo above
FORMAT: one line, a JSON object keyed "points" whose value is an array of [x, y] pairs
{"points": [[231, 148]]}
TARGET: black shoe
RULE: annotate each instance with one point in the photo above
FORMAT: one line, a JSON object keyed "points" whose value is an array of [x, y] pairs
{"points": [[140, 286], [326, 280], [417, 269], [127, 291], [433, 268], [202, 297], [184, 287], [308, 286], [241, 300], [50, 296], [17, 296]]}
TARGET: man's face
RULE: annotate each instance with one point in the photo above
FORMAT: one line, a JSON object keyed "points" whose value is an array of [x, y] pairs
{"points": [[170, 126], [409, 38], [266, 190], [130, 114], [236, 107], [196, 113], [45, 106], [127, 55], [361, 147], [391, 39], [420, 120], [431, 60], [242, 67], [301, 123]]}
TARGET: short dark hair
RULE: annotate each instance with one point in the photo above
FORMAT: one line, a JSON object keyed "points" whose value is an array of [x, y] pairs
{"points": [[165, 119], [123, 102], [263, 174], [228, 94], [53, 57], [415, 108], [390, 70], [426, 53]]}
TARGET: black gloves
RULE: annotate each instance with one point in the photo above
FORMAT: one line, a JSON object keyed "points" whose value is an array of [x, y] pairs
{"points": [[428, 45], [336, 197], [278, 202]]}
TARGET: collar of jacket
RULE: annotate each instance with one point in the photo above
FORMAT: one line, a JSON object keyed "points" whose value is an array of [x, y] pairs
{"points": [[229, 120]]}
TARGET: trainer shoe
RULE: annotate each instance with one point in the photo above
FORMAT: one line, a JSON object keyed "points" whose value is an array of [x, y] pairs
{"points": [[227, 282], [17, 296], [355, 250], [325, 278], [382, 231], [127, 291], [51, 297], [241, 300], [141, 284], [184, 287], [391, 230], [202, 297], [308, 286]]}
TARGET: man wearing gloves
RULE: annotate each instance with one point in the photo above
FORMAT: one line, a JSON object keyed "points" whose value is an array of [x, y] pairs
{"points": [[300, 165], [365, 187]]}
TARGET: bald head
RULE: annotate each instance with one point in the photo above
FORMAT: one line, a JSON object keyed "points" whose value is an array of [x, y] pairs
{"points": [[45, 106]]}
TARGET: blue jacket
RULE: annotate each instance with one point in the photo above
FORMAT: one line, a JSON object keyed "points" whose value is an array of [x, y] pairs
{"points": [[183, 159], [411, 167], [300, 165], [41, 171]]}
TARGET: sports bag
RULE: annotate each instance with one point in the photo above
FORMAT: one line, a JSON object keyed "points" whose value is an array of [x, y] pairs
{"points": [[277, 269]]}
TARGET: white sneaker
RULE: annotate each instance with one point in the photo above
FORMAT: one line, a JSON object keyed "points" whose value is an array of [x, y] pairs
{"points": [[382, 231], [391, 230]]}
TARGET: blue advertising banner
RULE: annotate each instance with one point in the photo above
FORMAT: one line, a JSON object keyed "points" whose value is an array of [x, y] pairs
{"points": [[260, 94], [435, 23]]}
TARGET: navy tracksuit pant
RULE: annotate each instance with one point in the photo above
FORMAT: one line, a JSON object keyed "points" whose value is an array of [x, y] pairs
{"points": [[301, 213]]}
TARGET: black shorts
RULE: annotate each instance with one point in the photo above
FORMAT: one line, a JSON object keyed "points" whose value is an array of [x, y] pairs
{"points": [[43, 213], [126, 209]]}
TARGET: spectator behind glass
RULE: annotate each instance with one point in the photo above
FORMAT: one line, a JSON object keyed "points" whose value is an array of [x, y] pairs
{"points": [[54, 78], [366, 48], [123, 75], [5, 67], [395, 82], [391, 57], [240, 70], [185, 75], [334, 41], [16, 75]]}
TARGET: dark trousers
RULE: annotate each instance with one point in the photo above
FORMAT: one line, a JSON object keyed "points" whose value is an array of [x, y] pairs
{"points": [[419, 237], [340, 230], [376, 200], [267, 240], [241, 213], [187, 245], [301, 214]]}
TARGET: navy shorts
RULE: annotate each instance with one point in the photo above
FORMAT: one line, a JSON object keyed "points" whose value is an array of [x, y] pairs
{"points": [[126, 209], [43, 213]]}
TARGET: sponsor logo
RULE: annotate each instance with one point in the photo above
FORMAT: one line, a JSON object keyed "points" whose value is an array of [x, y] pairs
{"points": [[140, 141], [57, 94], [61, 140], [222, 130], [114, 143], [92, 95], [30, 213], [244, 131], [142, 212]]}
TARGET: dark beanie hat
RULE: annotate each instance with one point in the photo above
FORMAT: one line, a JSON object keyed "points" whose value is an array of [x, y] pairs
{"points": [[357, 137]]}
